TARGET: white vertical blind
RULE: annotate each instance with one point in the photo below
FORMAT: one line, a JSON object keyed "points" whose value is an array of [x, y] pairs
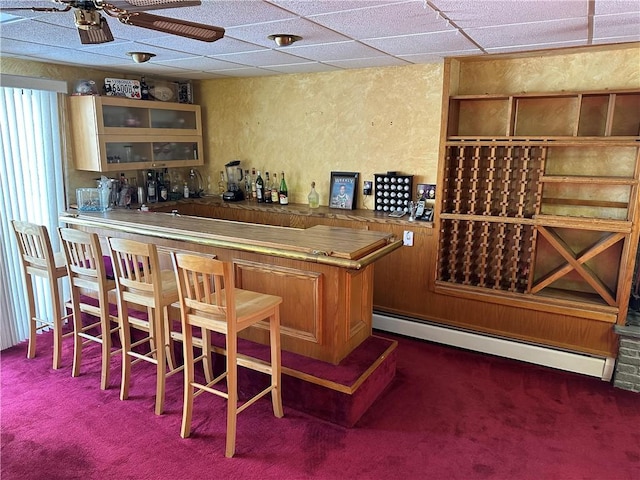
{"points": [[32, 189]]}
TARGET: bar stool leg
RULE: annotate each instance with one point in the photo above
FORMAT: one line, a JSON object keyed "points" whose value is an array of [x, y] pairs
{"points": [[125, 341], [232, 400], [274, 340], [189, 377], [33, 325], [57, 322], [77, 340], [158, 320]]}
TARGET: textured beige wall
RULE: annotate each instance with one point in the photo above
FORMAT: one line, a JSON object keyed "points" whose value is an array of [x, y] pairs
{"points": [[594, 68], [367, 121]]}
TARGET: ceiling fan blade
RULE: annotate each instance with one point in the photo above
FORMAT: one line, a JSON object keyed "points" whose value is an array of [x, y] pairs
{"points": [[142, 5], [182, 28]]}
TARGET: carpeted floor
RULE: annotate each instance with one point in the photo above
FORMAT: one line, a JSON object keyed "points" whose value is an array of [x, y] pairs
{"points": [[448, 414]]}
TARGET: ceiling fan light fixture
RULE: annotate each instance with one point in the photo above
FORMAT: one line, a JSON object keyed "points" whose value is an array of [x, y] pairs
{"points": [[141, 57], [88, 20], [284, 39]]}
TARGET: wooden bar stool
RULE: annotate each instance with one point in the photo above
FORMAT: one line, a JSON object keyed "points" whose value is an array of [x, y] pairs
{"points": [[209, 300], [141, 282], [39, 261], [89, 295]]}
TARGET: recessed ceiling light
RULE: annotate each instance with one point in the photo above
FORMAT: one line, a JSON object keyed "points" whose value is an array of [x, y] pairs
{"points": [[141, 57], [284, 39]]}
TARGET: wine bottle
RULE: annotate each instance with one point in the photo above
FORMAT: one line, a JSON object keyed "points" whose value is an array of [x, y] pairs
{"points": [[274, 189], [144, 89], [253, 184], [259, 188], [267, 188], [283, 193], [313, 197], [163, 193], [152, 194], [247, 185]]}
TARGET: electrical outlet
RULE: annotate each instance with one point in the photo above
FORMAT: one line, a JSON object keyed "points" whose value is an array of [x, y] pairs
{"points": [[407, 238], [367, 188]]}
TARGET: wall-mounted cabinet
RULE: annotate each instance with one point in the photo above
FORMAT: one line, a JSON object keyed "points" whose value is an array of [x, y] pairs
{"points": [[539, 199], [110, 134]]}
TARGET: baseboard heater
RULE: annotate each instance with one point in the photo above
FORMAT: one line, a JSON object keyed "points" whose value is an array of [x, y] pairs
{"points": [[601, 367]]}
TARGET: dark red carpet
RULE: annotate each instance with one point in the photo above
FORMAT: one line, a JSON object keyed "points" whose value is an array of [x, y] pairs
{"points": [[448, 414]]}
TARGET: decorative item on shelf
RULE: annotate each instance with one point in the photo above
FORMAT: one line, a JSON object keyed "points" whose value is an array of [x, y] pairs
{"points": [[426, 191], [144, 89], [85, 87], [393, 192], [185, 92], [164, 91], [118, 87], [343, 188]]}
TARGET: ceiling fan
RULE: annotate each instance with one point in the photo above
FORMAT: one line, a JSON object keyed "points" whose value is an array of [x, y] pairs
{"points": [[93, 27]]}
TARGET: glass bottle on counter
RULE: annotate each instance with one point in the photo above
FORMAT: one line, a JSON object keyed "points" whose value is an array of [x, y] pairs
{"points": [[163, 193], [259, 188], [267, 188], [283, 192], [185, 190], [247, 185], [152, 193], [253, 184], [313, 197], [274, 189], [222, 186]]}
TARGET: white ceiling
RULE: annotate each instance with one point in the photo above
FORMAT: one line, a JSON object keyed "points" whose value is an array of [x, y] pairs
{"points": [[337, 34]]}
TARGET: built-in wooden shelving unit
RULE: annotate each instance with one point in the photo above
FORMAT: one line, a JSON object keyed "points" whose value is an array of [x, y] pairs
{"points": [[538, 198]]}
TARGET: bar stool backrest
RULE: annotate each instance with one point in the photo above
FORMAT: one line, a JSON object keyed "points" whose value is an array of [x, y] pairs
{"points": [[35, 248], [137, 269]]}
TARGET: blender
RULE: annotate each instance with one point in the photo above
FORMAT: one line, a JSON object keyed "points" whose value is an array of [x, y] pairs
{"points": [[234, 177]]}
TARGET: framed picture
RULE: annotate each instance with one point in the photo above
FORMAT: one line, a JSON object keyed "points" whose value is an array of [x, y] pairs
{"points": [[344, 189]]}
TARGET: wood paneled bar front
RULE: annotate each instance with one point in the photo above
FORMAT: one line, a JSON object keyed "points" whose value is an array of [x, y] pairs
{"points": [[324, 273]]}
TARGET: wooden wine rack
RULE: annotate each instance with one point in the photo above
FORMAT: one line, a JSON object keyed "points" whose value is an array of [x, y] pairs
{"points": [[538, 197]]}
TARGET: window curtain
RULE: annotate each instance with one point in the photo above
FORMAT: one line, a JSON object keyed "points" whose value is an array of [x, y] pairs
{"points": [[31, 189]]}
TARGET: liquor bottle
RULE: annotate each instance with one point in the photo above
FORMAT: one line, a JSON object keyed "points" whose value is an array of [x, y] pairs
{"points": [[253, 184], [163, 193], [222, 186], [247, 185], [283, 193], [259, 188], [313, 197], [144, 89], [274, 189], [267, 188], [152, 193], [167, 182], [185, 190]]}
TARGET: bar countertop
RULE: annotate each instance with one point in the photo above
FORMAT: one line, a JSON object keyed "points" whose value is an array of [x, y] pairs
{"points": [[343, 247]]}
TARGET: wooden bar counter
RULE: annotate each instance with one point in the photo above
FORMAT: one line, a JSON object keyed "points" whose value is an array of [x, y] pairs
{"points": [[323, 273]]}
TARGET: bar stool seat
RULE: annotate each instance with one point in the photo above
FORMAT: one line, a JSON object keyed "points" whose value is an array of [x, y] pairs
{"points": [[39, 261], [210, 300]]}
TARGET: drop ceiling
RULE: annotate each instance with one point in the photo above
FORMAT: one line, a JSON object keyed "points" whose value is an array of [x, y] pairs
{"points": [[337, 34]]}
